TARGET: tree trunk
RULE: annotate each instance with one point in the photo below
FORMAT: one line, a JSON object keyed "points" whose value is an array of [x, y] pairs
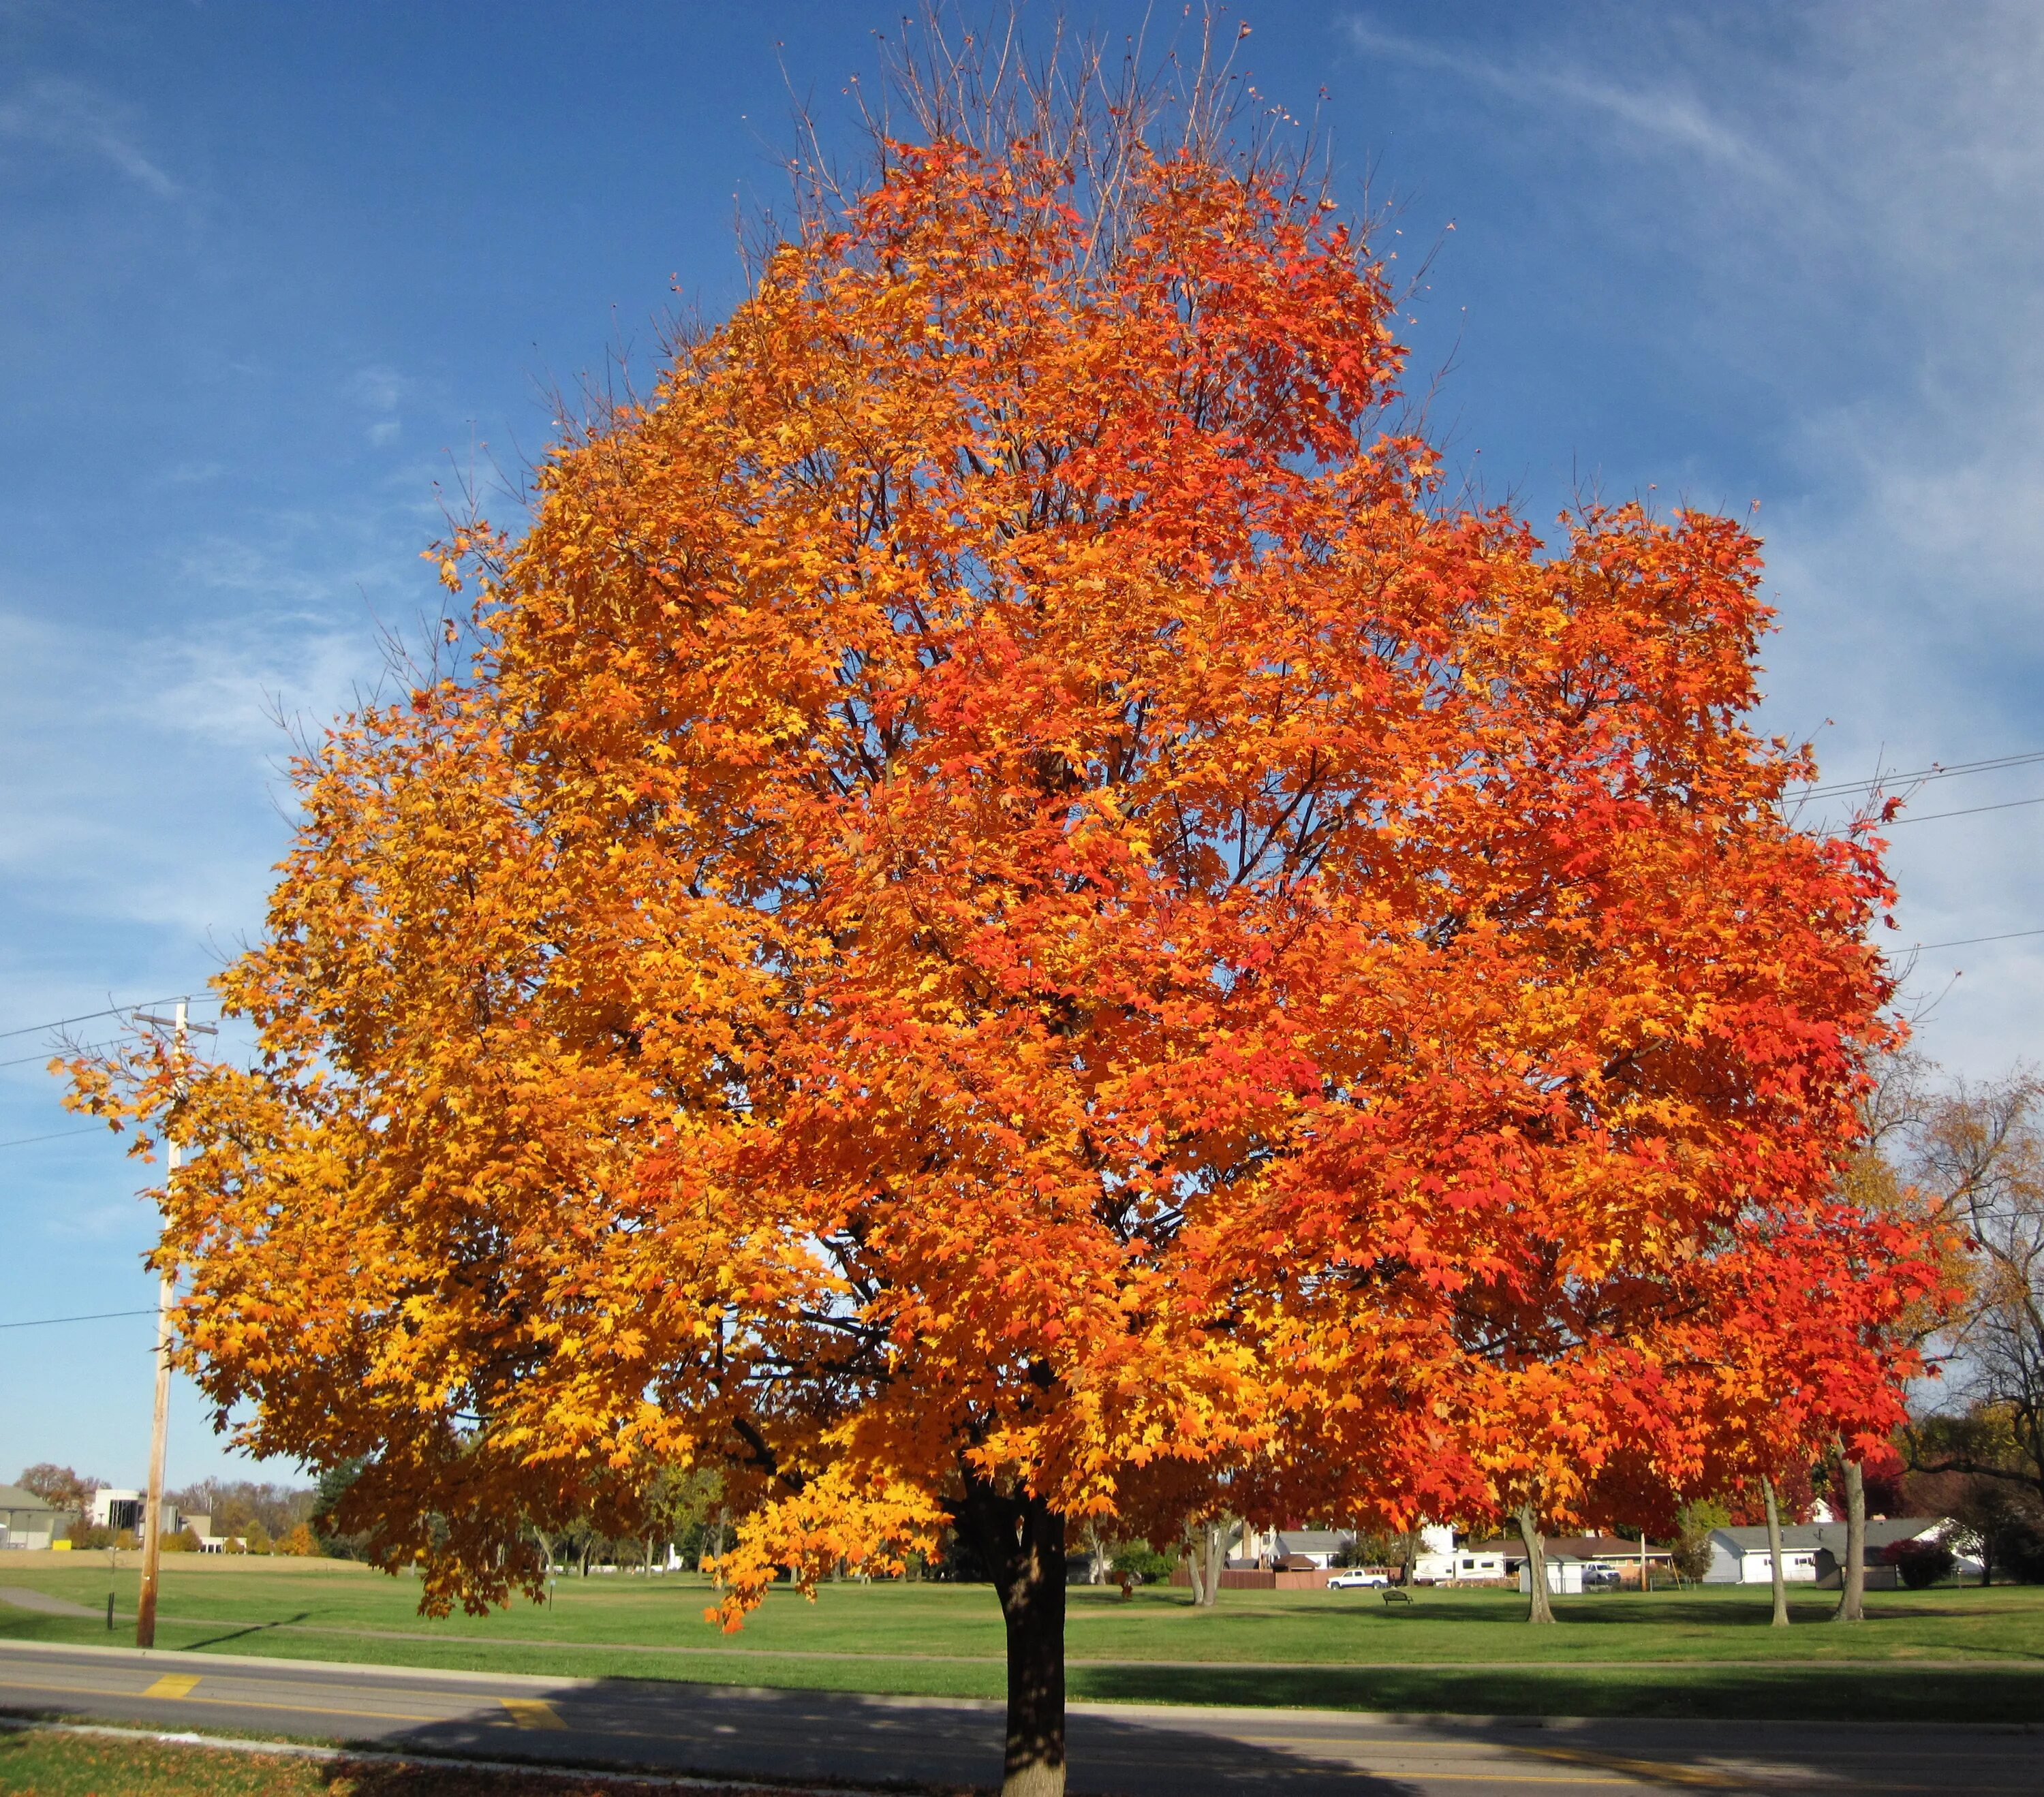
{"points": [[1097, 1560], [1538, 1609], [1023, 1541], [1852, 1599], [1196, 1567], [1213, 1549], [1774, 1554]]}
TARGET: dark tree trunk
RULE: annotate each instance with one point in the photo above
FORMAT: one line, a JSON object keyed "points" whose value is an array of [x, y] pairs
{"points": [[1023, 1541], [1852, 1599], [1774, 1554], [1540, 1609]]}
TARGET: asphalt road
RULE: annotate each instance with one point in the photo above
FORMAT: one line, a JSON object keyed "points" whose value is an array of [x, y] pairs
{"points": [[1138, 1751]]}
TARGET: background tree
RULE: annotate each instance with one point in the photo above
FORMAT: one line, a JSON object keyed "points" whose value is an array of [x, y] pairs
{"points": [[59, 1487], [237, 1506], [1011, 926], [1690, 1551], [679, 1504], [1980, 1150]]}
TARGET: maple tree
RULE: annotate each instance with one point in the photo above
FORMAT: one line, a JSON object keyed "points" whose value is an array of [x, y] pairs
{"points": [[1013, 925]]}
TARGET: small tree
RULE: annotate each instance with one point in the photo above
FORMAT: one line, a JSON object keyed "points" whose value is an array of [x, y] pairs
{"points": [[1690, 1554]]}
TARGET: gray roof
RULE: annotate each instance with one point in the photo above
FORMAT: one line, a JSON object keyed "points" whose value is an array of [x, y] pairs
{"points": [[13, 1497], [1812, 1538], [1313, 1541]]}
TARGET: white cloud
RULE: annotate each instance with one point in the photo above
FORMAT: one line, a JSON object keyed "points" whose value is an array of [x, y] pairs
{"points": [[149, 792], [1853, 194], [1655, 111], [51, 113]]}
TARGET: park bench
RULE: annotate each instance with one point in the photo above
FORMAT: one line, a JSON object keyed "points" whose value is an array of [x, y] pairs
{"points": [[1392, 1595]]}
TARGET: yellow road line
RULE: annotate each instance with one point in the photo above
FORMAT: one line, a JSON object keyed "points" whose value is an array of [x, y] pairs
{"points": [[243, 1702], [1699, 1777], [532, 1712], [173, 1685]]}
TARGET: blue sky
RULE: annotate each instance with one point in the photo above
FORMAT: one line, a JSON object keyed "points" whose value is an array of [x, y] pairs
{"points": [[276, 276]]}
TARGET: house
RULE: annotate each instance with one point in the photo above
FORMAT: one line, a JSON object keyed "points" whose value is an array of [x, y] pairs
{"points": [[26, 1520], [1569, 1557], [1813, 1553], [1288, 1549], [1297, 1550]]}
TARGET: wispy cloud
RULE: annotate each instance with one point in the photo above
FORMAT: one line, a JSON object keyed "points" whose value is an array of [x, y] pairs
{"points": [[380, 392], [1834, 214], [53, 114], [1671, 115]]}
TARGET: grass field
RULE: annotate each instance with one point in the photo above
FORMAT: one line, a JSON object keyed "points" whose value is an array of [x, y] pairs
{"points": [[1958, 1653], [40, 1765]]}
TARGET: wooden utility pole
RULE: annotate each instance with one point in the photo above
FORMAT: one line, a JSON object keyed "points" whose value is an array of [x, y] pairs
{"points": [[152, 1510]]}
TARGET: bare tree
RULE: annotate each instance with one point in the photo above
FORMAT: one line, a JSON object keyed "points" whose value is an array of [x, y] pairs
{"points": [[1978, 1152]]}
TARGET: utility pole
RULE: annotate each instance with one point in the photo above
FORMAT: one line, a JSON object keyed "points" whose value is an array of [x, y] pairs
{"points": [[152, 1510]]}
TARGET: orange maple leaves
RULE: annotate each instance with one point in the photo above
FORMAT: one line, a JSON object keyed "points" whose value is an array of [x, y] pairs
{"points": [[1009, 899]]}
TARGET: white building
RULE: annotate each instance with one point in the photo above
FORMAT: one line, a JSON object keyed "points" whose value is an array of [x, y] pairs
{"points": [[1565, 1577], [113, 1509], [1317, 1548], [1813, 1553]]}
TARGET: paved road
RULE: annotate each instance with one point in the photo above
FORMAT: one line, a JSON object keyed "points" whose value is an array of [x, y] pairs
{"points": [[1139, 1751]]}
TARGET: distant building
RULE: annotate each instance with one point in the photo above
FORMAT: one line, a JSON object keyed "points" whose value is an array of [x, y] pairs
{"points": [[119, 1510], [1288, 1549], [1814, 1554], [26, 1520]]}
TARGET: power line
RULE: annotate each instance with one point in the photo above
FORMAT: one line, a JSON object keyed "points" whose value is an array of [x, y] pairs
{"points": [[1970, 810], [23, 1060], [1968, 941], [96, 1316], [87, 1016], [1936, 770], [55, 1135]]}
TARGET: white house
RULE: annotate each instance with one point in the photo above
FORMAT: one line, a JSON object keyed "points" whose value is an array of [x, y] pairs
{"points": [[1813, 1553], [1296, 1547]]}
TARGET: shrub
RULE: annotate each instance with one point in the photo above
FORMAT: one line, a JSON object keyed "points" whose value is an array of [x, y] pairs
{"points": [[1142, 1562], [2019, 1550], [1922, 1563]]}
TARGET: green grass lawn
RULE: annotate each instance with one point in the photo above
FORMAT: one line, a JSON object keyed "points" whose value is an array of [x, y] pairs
{"points": [[1955, 1652]]}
